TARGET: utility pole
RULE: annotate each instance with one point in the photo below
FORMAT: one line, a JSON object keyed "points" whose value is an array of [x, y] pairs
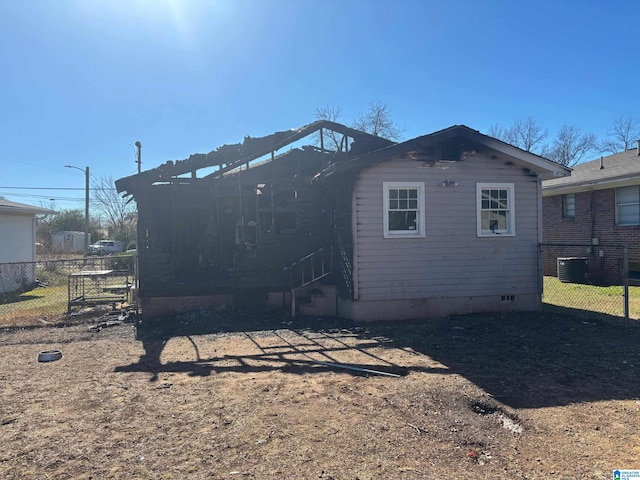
{"points": [[86, 207], [86, 212], [138, 156]]}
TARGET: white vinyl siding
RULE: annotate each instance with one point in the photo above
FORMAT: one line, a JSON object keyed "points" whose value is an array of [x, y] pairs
{"points": [[628, 205], [451, 260], [496, 209], [17, 244], [403, 209], [18, 238]]}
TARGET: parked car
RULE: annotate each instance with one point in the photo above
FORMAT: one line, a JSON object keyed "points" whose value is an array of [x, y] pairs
{"points": [[105, 247]]}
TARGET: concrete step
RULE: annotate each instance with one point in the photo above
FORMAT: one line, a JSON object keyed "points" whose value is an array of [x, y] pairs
{"points": [[321, 301]]}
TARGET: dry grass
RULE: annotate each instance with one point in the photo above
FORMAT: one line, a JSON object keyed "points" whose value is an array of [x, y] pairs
{"points": [[528, 396]]}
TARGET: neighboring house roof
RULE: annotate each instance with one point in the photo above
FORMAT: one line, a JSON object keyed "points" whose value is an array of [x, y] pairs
{"points": [[16, 208], [618, 170], [453, 144]]}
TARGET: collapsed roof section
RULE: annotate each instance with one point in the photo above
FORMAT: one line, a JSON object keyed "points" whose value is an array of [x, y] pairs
{"points": [[356, 149], [229, 157]]}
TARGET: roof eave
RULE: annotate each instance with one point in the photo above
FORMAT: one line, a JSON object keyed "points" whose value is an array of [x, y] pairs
{"points": [[26, 211], [542, 166], [546, 168], [585, 186]]}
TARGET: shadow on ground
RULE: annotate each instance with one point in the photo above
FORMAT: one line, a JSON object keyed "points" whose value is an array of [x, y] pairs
{"points": [[304, 345], [532, 360], [524, 360]]}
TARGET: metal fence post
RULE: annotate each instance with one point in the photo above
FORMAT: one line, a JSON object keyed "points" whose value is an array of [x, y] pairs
{"points": [[540, 273], [625, 274]]}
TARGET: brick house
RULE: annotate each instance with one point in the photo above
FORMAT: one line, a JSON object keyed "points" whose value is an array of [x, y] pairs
{"points": [[594, 213]]}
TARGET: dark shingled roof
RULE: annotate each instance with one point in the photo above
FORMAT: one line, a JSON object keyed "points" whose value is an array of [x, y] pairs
{"points": [[607, 172]]}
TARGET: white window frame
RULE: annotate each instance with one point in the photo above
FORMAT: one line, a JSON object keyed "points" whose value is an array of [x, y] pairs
{"points": [[510, 231], [569, 207], [420, 231], [618, 205]]}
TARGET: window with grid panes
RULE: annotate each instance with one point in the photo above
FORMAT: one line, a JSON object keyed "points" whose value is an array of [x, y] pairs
{"points": [[403, 209], [495, 205]]}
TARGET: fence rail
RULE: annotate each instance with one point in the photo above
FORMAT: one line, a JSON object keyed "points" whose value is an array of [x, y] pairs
{"points": [[581, 277], [40, 291], [590, 278]]}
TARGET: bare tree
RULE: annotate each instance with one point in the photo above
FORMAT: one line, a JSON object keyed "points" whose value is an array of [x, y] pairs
{"points": [[528, 135], [571, 146], [376, 120], [331, 113], [118, 213], [498, 131], [328, 112], [525, 134], [44, 223], [622, 135]]}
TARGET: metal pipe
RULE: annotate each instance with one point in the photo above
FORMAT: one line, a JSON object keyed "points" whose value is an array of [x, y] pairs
{"points": [[625, 273], [357, 369], [138, 155]]}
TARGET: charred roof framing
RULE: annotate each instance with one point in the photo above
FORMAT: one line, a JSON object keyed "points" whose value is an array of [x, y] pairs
{"points": [[237, 227]]}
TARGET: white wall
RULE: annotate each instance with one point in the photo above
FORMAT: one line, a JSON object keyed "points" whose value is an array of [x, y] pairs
{"points": [[17, 238], [17, 244]]}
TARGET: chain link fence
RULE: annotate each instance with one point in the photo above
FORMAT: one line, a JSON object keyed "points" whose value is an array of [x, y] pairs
{"points": [[49, 290], [581, 277], [590, 278]]}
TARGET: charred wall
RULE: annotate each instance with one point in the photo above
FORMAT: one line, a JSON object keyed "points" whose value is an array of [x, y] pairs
{"points": [[219, 235]]}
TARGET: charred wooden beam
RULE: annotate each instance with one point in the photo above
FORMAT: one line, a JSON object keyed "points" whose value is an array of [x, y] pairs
{"points": [[228, 157]]}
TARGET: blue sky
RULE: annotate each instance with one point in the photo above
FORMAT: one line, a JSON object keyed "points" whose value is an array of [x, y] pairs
{"points": [[83, 80]]}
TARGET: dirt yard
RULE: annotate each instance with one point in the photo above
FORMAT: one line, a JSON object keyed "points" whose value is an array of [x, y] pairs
{"points": [[524, 396]]}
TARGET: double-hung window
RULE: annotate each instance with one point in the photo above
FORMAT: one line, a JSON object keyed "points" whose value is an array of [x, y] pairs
{"points": [[628, 205], [569, 205], [495, 209], [403, 209]]}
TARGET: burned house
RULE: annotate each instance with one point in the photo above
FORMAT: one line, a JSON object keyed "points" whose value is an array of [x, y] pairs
{"points": [[382, 230]]}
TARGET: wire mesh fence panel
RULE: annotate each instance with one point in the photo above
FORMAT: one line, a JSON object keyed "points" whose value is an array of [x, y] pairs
{"points": [[589, 278], [32, 291], [593, 298]]}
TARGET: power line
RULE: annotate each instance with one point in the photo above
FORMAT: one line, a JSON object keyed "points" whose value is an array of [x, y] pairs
{"points": [[92, 201], [27, 195], [55, 188]]}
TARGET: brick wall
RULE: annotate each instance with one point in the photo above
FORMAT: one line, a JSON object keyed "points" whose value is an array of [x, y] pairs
{"points": [[595, 217], [157, 307]]}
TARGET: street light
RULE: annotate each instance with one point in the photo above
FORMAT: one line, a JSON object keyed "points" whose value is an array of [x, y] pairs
{"points": [[86, 207]]}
